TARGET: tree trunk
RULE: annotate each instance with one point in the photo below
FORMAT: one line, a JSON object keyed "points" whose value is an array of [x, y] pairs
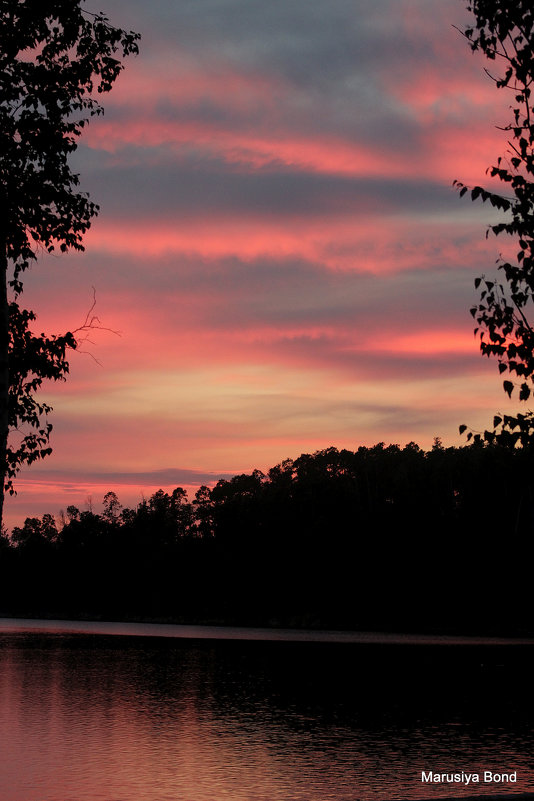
{"points": [[4, 370]]}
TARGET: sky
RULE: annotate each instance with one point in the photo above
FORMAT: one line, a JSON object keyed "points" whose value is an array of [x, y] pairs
{"points": [[280, 262]]}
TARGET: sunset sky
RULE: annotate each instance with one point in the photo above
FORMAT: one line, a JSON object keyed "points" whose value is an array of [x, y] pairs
{"points": [[279, 245]]}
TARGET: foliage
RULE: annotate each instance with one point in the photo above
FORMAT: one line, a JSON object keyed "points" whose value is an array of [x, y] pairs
{"points": [[503, 32], [54, 58], [36, 533], [112, 507], [32, 359]]}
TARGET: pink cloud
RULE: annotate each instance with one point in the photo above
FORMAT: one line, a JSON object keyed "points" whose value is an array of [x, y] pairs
{"points": [[376, 244], [321, 153], [443, 150], [214, 375], [187, 82]]}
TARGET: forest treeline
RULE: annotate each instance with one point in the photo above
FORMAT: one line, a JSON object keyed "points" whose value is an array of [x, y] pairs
{"points": [[380, 538]]}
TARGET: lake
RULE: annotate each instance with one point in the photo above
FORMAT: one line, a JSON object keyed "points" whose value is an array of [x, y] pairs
{"points": [[107, 712]]}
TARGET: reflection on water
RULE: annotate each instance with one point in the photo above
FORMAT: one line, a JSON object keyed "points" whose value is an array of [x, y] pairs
{"points": [[100, 718]]}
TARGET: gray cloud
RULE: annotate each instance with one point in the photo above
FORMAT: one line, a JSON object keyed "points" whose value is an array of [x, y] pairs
{"points": [[300, 37], [169, 192], [332, 61], [167, 476]]}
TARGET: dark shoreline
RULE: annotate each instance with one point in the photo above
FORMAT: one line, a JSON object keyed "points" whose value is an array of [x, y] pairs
{"points": [[254, 633], [281, 629]]}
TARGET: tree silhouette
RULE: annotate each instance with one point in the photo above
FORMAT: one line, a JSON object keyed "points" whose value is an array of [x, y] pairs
{"points": [[54, 57], [503, 31], [334, 539], [112, 507]]}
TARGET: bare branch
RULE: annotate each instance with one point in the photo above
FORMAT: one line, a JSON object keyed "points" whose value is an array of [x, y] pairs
{"points": [[92, 323]]}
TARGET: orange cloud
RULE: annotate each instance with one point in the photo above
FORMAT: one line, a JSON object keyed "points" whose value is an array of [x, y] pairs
{"points": [[427, 343]]}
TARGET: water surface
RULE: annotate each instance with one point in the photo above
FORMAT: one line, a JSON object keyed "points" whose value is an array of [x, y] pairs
{"points": [[98, 717]]}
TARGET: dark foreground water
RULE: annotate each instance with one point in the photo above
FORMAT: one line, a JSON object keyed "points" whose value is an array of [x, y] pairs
{"points": [[101, 717]]}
